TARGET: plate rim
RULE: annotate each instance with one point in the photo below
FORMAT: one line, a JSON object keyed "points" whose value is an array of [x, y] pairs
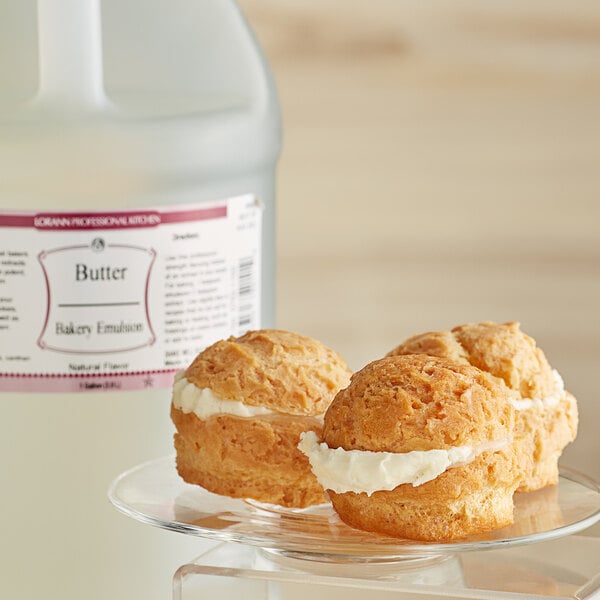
{"points": [[408, 549]]}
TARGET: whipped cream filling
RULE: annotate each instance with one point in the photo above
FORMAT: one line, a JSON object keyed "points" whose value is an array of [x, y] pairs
{"points": [[367, 471], [204, 403], [547, 402]]}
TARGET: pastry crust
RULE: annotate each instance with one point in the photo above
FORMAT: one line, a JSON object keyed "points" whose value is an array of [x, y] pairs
{"points": [[417, 402], [503, 350], [248, 458], [293, 376], [276, 369]]}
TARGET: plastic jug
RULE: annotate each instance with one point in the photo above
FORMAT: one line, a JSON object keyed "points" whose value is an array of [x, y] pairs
{"points": [[138, 146]]}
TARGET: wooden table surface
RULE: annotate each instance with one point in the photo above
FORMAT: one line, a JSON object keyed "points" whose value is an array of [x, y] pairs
{"points": [[441, 164]]}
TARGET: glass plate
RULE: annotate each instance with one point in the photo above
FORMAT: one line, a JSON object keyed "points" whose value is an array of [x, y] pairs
{"points": [[154, 493]]}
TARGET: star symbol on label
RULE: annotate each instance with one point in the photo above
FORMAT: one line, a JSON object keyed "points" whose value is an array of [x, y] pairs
{"points": [[148, 382]]}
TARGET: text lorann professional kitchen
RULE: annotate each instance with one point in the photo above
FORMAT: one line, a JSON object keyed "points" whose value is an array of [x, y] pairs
{"points": [[138, 143]]}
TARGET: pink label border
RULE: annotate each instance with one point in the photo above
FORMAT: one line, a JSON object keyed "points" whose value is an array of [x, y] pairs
{"points": [[96, 221], [92, 382]]}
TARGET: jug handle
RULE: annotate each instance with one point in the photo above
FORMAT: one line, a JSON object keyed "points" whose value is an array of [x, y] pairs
{"points": [[70, 55]]}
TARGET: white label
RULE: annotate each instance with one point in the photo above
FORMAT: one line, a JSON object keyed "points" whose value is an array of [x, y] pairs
{"points": [[123, 299]]}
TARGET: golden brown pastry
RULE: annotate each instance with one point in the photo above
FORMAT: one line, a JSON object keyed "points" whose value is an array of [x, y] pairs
{"points": [[547, 414], [418, 447], [239, 410]]}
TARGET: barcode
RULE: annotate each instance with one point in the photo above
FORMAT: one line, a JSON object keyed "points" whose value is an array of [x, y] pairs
{"points": [[246, 284]]}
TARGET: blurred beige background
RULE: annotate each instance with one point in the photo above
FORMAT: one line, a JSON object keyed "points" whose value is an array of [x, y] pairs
{"points": [[441, 165]]}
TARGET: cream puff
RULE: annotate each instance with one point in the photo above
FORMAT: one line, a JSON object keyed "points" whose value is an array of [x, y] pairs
{"points": [[239, 410], [418, 447], [547, 413]]}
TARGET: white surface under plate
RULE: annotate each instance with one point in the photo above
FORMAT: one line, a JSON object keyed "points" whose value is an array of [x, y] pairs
{"points": [[154, 493]]}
